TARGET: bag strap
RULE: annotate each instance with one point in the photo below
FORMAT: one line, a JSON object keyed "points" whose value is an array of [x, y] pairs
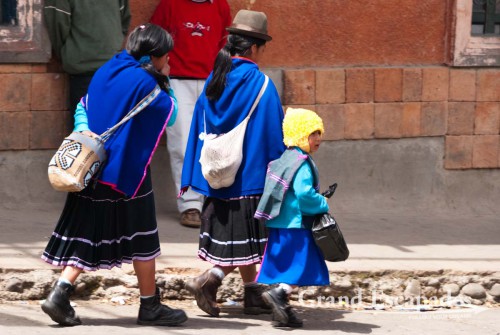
{"points": [[255, 103], [261, 93], [136, 110]]}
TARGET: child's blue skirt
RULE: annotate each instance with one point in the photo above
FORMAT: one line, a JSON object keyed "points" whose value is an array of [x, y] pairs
{"points": [[292, 257]]}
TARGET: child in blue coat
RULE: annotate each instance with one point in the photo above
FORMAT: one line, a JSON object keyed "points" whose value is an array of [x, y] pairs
{"points": [[289, 204]]}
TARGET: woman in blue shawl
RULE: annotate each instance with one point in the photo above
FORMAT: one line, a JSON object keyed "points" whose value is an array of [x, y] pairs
{"points": [[113, 221], [229, 235]]}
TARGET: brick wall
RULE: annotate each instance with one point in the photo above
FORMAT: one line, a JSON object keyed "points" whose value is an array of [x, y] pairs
{"points": [[463, 105], [33, 106]]}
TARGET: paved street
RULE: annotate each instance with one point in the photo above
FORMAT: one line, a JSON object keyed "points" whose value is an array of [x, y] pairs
{"points": [[102, 318]]}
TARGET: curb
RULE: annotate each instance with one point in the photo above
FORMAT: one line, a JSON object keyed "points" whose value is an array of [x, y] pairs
{"points": [[382, 288]]}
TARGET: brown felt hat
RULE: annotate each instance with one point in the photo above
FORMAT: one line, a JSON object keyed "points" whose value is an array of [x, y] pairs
{"points": [[250, 23]]}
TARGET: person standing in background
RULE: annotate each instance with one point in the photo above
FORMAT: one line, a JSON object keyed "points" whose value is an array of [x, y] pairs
{"points": [[198, 30], [84, 36]]}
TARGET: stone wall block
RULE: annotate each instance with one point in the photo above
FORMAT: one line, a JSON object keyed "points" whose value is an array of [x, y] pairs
{"points": [[485, 151], [462, 85], [410, 119], [276, 76], [488, 85], [359, 121], [15, 94], [433, 118], [388, 119], [299, 87], [333, 120], [310, 107], [15, 68], [487, 118], [359, 85], [435, 81], [458, 152], [14, 130], [330, 86], [388, 85], [39, 68], [498, 153], [49, 92], [48, 129], [461, 118], [412, 84]]}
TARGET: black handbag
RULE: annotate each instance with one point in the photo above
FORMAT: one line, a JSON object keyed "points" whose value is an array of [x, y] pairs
{"points": [[327, 234]]}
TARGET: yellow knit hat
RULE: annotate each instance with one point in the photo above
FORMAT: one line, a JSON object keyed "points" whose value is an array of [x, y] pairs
{"points": [[298, 124]]}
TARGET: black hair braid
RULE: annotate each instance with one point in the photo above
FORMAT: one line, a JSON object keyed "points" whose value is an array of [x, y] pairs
{"points": [[236, 45], [150, 40]]}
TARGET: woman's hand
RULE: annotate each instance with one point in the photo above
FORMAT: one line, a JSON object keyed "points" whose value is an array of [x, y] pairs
{"points": [[165, 70]]}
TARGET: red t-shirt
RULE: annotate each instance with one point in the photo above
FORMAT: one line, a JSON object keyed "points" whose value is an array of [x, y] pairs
{"points": [[198, 30]]}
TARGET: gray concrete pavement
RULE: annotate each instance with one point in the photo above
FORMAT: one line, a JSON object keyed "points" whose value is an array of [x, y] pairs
{"points": [[376, 242], [102, 318]]}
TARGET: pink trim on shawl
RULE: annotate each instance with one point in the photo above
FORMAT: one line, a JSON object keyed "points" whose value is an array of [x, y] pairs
{"points": [[154, 149], [245, 58], [113, 186]]}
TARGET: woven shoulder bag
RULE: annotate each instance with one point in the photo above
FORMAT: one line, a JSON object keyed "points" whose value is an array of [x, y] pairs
{"points": [[80, 157], [221, 155]]}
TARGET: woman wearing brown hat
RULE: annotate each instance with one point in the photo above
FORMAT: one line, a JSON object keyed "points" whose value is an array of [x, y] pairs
{"points": [[230, 237]]}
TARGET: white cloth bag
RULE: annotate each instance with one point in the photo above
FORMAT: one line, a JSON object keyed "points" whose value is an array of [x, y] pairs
{"points": [[221, 155]]}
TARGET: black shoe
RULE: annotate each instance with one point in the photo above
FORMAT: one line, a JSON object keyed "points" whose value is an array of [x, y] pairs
{"points": [[58, 307], [278, 300], [153, 313], [293, 320], [253, 302]]}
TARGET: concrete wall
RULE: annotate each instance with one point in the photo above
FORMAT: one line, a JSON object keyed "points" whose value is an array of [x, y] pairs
{"points": [[399, 177]]}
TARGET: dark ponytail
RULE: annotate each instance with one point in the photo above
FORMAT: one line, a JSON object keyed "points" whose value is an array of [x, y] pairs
{"points": [[237, 45], [150, 40]]}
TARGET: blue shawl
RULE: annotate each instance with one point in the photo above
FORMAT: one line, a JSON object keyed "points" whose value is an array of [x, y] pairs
{"points": [[114, 90], [263, 138], [279, 179]]}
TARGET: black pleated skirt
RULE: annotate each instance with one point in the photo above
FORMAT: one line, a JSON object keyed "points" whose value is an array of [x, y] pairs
{"points": [[100, 228], [229, 234]]}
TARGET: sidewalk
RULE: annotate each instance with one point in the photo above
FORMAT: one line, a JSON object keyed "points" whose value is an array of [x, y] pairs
{"points": [[376, 242]]}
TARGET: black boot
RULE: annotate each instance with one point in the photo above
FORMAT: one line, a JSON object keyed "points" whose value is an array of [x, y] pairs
{"points": [[153, 313], [204, 288], [293, 320], [278, 300], [58, 307], [253, 302]]}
